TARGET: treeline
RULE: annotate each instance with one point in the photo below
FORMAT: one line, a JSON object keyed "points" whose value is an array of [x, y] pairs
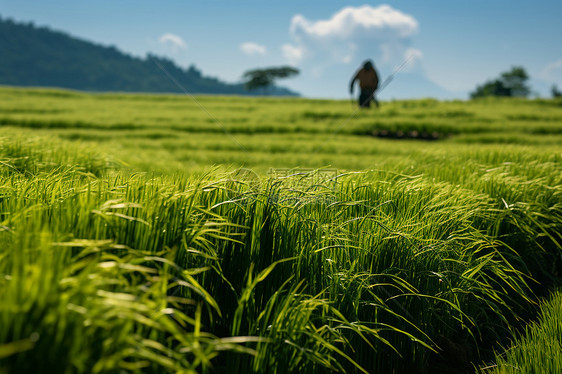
{"points": [[512, 83], [39, 56]]}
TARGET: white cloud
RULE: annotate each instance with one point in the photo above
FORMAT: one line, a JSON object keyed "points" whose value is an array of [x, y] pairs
{"points": [[293, 54], [553, 72], [379, 22], [354, 33], [173, 41], [252, 49]]}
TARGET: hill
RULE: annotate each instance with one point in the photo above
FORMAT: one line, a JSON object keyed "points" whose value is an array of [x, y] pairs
{"points": [[39, 56]]}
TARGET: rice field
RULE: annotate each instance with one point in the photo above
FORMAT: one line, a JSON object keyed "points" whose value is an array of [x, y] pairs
{"points": [[161, 233]]}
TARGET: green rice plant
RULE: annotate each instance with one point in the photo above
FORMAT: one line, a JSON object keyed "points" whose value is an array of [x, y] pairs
{"points": [[539, 348], [143, 213], [474, 276], [415, 257], [32, 155], [94, 311], [95, 304]]}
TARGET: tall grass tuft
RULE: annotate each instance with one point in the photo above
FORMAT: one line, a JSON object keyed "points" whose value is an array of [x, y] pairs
{"points": [[539, 349]]}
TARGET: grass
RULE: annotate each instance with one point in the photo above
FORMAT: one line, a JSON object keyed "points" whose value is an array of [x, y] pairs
{"points": [[130, 243], [171, 133], [539, 349]]}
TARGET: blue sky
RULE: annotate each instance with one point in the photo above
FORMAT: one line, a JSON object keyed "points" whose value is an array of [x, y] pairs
{"points": [[454, 45]]}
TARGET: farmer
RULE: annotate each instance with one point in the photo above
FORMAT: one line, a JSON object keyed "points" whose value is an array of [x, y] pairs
{"points": [[368, 82]]}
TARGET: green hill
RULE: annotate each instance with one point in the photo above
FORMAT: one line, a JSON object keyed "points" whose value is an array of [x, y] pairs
{"points": [[39, 56]]}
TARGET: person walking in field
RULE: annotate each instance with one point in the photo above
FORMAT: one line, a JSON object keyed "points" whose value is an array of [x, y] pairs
{"points": [[368, 83]]}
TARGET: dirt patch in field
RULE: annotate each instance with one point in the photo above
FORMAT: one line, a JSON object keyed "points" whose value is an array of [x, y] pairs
{"points": [[409, 135]]}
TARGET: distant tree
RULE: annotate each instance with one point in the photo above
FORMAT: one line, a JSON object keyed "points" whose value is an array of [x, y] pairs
{"points": [[264, 78], [555, 91], [510, 83]]}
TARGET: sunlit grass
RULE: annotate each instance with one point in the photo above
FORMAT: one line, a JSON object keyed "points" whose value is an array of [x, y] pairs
{"points": [[128, 243], [539, 349]]}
